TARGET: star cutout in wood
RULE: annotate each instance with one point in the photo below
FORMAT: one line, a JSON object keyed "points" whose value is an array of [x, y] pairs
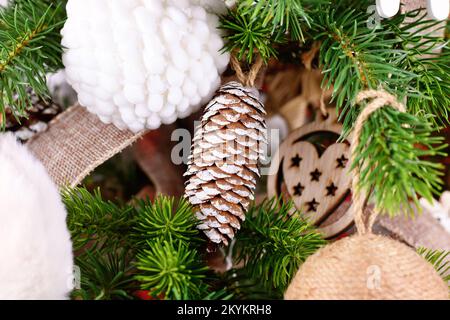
{"points": [[295, 161], [331, 189], [298, 189], [315, 175], [312, 205], [342, 162]]}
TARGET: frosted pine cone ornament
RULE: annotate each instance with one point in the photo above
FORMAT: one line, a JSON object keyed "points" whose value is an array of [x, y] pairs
{"points": [[139, 64], [223, 165]]}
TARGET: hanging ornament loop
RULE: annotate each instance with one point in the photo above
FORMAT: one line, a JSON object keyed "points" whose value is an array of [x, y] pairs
{"points": [[248, 79], [378, 99]]}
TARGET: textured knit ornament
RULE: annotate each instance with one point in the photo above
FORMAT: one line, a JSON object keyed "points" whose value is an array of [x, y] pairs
{"points": [[139, 64], [366, 266], [317, 182], [224, 162]]}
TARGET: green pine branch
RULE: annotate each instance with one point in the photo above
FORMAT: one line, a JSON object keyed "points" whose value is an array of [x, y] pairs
{"points": [[272, 245], [91, 220], [393, 157], [260, 27], [171, 269], [29, 49], [440, 261], [106, 273], [166, 220], [426, 56], [155, 246]]}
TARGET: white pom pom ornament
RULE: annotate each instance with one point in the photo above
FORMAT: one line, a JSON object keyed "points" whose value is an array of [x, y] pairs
{"points": [[141, 63], [36, 260]]}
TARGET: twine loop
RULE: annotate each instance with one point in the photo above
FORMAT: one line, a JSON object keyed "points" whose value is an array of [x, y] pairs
{"points": [[248, 79], [379, 99]]}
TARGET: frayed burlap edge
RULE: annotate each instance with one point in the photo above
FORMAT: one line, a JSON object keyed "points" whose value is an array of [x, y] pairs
{"points": [[76, 143]]}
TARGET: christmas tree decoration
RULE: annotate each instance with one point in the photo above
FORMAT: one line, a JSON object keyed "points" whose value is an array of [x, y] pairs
{"points": [[315, 176], [139, 64], [38, 116], [224, 162], [226, 149], [35, 245], [366, 266]]}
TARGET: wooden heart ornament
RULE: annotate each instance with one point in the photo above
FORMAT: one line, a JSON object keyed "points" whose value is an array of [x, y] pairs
{"points": [[315, 174]]}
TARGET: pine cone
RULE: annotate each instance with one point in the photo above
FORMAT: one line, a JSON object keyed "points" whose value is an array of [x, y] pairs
{"points": [[39, 115], [223, 164]]}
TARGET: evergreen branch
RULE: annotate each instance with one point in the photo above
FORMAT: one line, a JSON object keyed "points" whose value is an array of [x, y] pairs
{"points": [[355, 57], [105, 274], [272, 245], [440, 261], [285, 16], [29, 48], [429, 92], [247, 36], [93, 220], [391, 157], [165, 220], [171, 269]]}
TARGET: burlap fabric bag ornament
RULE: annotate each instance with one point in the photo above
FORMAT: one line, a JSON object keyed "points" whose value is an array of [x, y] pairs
{"points": [[366, 266]]}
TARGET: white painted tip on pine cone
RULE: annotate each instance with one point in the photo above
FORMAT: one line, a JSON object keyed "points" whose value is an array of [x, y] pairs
{"points": [[36, 250], [138, 63]]}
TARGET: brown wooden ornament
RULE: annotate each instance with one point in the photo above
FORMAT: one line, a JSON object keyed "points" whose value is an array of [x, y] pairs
{"points": [[315, 177]]}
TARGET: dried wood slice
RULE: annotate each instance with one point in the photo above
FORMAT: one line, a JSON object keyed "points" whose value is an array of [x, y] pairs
{"points": [[316, 178]]}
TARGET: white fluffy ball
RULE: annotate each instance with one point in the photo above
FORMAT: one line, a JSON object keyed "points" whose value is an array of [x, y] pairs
{"points": [[36, 259], [142, 63]]}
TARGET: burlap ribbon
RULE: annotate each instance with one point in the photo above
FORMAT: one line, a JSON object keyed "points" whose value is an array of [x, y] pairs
{"points": [[380, 99], [76, 143]]}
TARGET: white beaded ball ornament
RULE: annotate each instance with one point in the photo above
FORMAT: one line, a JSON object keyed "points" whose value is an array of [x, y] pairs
{"points": [[142, 63]]}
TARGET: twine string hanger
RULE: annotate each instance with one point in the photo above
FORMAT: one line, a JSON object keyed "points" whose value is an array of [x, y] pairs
{"points": [[379, 99], [247, 79]]}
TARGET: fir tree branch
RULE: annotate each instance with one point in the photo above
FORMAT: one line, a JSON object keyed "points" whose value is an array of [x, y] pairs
{"points": [[272, 245], [355, 57], [247, 36], [392, 157], [285, 16], [171, 269], [29, 48], [440, 261], [429, 92], [93, 220], [105, 274], [166, 220]]}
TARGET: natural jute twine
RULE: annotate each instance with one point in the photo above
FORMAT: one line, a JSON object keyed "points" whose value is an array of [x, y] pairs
{"points": [[76, 143], [248, 79], [366, 266], [379, 100]]}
